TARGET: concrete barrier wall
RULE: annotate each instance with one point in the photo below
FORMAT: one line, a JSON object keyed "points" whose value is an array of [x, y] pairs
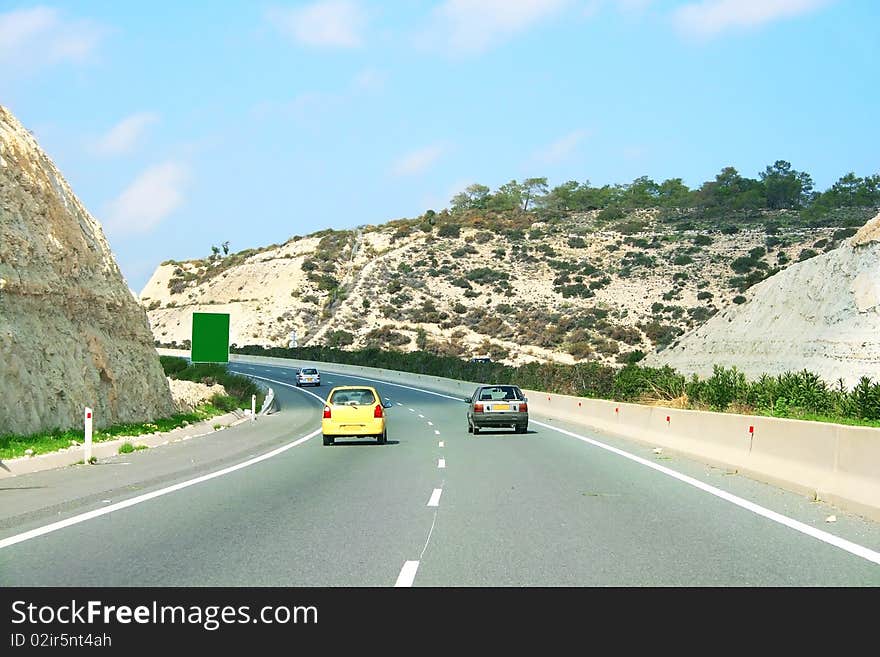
{"points": [[836, 463]]}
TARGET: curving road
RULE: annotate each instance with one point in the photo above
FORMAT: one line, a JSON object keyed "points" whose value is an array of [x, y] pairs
{"points": [[265, 504]]}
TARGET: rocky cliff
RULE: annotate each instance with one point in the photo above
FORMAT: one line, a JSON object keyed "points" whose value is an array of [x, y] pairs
{"points": [[71, 332], [822, 314], [571, 289]]}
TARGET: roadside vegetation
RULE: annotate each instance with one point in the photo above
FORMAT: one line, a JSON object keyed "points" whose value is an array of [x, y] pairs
{"points": [[239, 389], [796, 395]]}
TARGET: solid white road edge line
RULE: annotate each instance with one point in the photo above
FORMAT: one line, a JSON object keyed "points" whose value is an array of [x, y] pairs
{"points": [[825, 537], [435, 497], [831, 539], [67, 522], [75, 520], [407, 574]]}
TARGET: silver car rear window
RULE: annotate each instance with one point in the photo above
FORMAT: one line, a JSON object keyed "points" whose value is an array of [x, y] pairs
{"points": [[308, 371], [499, 393]]}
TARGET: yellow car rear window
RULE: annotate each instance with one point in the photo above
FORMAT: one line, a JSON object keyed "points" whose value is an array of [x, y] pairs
{"points": [[355, 396]]}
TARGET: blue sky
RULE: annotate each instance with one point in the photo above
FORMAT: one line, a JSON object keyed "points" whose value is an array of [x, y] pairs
{"points": [[182, 125]]}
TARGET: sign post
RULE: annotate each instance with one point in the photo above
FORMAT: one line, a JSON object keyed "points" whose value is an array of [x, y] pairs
{"points": [[87, 456], [253, 407]]}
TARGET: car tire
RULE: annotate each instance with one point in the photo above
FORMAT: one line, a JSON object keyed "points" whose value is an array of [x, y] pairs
{"points": [[470, 428], [476, 430], [329, 440], [383, 437], [298, 384], [522, 428]]}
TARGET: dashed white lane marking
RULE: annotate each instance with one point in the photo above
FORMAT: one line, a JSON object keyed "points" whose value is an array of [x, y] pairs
{"points": [[848, 546], [440, 444], [399, 404], [441, 463], [430, 424], [412, 410], [437, 432], [435, 497], [422, 416], [407, 574]]}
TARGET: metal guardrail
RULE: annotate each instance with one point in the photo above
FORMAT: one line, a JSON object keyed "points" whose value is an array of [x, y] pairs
{"points": [[270, 405]]}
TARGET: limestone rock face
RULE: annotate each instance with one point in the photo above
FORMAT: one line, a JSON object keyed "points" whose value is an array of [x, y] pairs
{"points": [[822, 314], [71, 332]]}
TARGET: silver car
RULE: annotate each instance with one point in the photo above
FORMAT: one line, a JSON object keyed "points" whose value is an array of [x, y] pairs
{"points": [[496, 407]]}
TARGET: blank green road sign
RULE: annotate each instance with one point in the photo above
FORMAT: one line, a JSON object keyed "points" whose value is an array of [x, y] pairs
{"points": [[210, 338]]}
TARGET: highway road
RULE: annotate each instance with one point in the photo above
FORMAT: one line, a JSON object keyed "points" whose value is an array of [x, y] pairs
{"points": [[266, 504]]}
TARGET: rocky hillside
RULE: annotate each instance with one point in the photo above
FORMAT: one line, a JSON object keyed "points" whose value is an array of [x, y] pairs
{"points": [[574, 287], [71, 333], [822, 314]]}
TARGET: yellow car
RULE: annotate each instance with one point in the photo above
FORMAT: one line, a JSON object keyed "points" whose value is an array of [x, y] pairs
{"points": [[354, 411]]}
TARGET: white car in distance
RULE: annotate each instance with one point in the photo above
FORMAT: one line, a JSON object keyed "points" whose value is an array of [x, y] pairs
{"points": [[308, 376]]}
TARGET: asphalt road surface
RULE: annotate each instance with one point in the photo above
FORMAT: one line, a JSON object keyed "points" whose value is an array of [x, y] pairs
{"points": [[266, 504]]}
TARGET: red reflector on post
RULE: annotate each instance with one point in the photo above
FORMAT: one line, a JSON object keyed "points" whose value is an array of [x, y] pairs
{"points": [[326, 412], [88, 416], [751, 429], [667, 418], [617, 410]]}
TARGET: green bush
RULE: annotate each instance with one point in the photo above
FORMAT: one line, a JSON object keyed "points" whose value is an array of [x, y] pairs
{"points": [[225, 403], [484, 275], [339, 338], [792, 394], [173, 364], [806, 254], [449, 230]]}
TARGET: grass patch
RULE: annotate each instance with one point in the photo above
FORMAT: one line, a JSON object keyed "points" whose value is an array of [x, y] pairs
{"points": [[12, 446]]}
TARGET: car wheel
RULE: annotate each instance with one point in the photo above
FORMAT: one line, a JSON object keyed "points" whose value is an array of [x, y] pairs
{"points": [[297, 384], [383, 439], [476, 430], [522, 428], [329, 440], [470, 428]]}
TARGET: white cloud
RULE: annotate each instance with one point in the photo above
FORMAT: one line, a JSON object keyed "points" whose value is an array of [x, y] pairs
{"points": [[369, 80], [148, 200], [562, 148], [39, 36], [473, 26], [327, 23], [124, 136], [711, 17], [418, 161]]}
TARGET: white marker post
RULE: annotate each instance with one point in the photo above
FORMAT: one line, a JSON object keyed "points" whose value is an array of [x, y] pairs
{"points": [[88, 437], [253, 407]]}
